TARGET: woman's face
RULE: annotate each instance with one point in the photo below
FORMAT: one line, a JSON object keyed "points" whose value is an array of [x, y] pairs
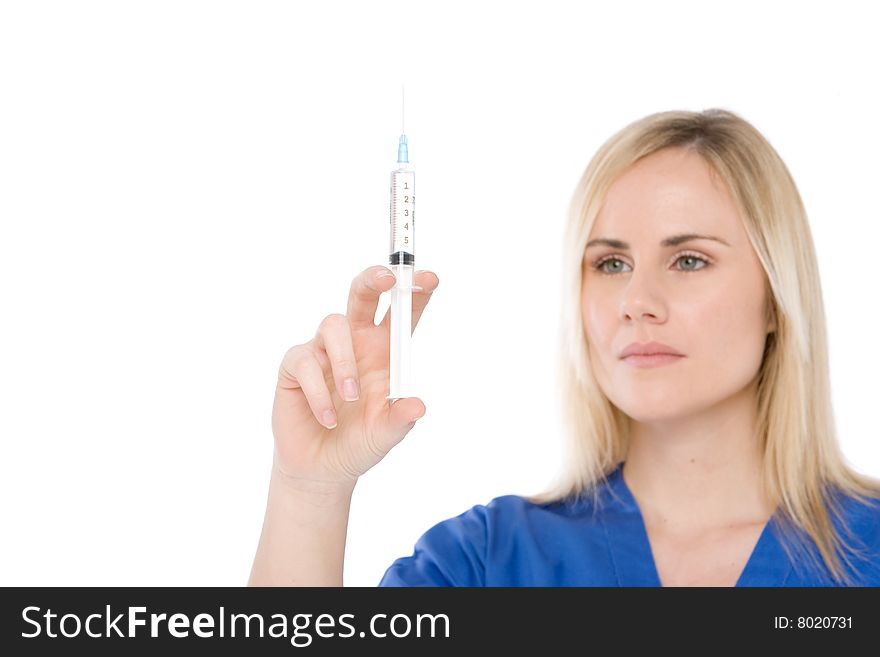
{"points": [[702, 297]]}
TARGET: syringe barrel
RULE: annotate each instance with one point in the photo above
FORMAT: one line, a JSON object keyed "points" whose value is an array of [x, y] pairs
{"points": [[403, 216]]}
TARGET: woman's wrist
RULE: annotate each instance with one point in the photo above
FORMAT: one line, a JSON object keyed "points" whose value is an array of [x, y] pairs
{"points": [[315, 492]]}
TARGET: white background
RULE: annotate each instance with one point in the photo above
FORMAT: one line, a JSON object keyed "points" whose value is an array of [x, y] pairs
{"points": [[188, 188]]}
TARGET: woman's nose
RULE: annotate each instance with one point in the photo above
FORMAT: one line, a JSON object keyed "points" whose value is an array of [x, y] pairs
{"points": [[642, 299]]}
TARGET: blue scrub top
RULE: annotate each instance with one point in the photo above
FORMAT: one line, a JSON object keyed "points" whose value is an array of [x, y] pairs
{"points": [[512, 542]]}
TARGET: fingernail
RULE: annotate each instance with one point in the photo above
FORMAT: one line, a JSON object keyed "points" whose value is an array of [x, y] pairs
{"points": [[350, 389], [329, 419], [384, 274]]}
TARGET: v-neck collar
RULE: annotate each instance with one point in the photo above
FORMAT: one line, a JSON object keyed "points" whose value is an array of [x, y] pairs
{"points": [[633, 559]]}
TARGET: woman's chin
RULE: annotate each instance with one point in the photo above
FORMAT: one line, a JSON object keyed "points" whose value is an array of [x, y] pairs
{"points": [[653, 408]]}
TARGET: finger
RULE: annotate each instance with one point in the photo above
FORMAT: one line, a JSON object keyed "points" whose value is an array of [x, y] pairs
{"points": [[396, 422], [334, 337], [301, 369], [427, 282], [363, 298]]}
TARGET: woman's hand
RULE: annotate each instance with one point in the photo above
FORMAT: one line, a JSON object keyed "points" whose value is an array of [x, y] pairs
{"points": [[312, 448]]}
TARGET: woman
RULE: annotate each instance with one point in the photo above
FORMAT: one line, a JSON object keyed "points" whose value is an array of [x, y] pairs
{"points": [[695, 387]]}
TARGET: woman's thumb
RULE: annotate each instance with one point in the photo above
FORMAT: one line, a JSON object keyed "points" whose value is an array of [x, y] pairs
{"points": [[402, 413], [405, 411]]}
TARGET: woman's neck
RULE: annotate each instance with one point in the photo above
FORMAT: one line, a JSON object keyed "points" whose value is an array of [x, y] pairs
{"points": [[701, 471]]}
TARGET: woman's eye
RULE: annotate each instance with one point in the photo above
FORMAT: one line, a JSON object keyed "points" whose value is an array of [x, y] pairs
{"points": [[601, 265], [690, 261], [694, 259]]}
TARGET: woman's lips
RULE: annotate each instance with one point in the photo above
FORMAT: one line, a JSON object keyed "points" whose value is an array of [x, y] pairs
{"points": [[651, 360]]}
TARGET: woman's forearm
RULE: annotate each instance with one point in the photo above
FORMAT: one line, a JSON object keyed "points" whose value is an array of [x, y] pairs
{"points": [[303, 538]]}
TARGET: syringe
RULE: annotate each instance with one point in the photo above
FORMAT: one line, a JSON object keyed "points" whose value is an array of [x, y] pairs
{"points": [[402, 262]]}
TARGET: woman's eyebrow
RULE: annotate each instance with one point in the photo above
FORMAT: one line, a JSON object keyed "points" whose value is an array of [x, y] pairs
{"points": [[675, 240]]}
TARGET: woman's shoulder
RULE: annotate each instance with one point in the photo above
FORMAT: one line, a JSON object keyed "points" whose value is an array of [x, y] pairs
{"points": [[460, 550], [509, 512], [857, 523], [862, 517], [520, 512]]}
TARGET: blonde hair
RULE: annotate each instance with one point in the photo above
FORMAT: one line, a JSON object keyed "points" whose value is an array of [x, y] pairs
{"points": [[802, 461]]}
